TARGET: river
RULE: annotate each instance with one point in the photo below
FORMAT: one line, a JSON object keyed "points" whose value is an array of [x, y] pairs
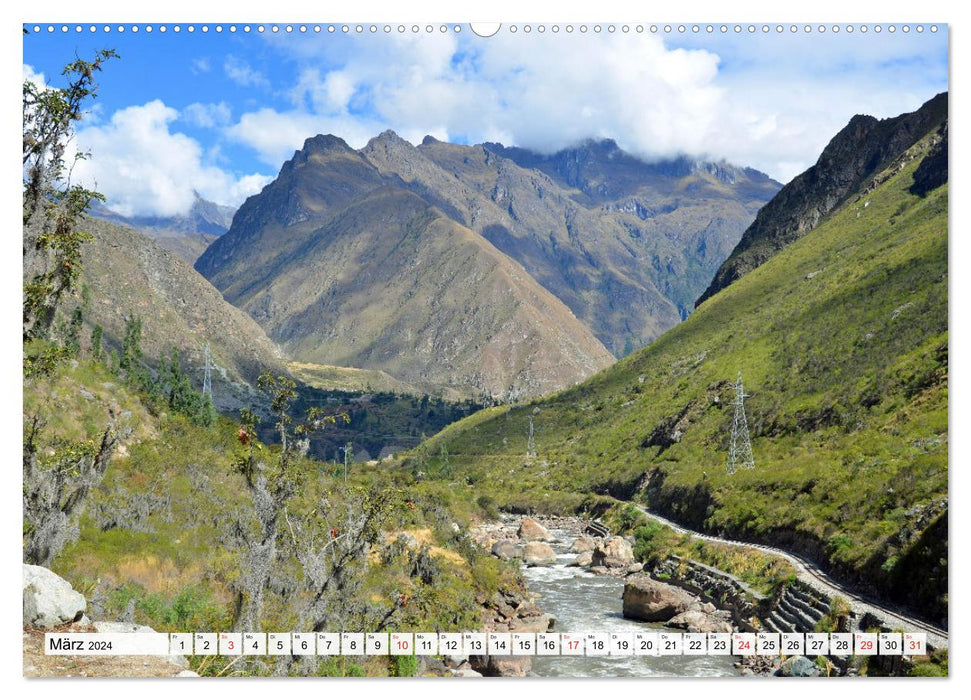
{"points": [[584, 602]]}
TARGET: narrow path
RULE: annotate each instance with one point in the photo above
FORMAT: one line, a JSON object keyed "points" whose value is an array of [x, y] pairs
{"points": [[810, 574]]}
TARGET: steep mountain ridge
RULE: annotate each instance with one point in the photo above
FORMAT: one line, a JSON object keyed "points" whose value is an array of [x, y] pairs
{"points": [[861, 149], [452, 310], [624, 276]]}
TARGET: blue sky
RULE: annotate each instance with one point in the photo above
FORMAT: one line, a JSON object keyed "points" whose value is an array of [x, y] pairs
{"points": [[218, 113]]}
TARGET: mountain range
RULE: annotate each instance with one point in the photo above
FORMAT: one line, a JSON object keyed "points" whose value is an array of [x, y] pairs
{"points": [[478, 268]]}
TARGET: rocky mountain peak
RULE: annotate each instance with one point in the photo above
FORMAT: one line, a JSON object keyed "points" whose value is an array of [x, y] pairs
{"points": [[861, 149]]}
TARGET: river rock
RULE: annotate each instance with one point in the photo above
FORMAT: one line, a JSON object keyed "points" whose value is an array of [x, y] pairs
{"points": [[48, 599], [507, 549], [798, 667], [532, 531], [699, 622], [509, 666], [538, 554], [583, 544], [653, 601], [582, 559], [614, 553]]}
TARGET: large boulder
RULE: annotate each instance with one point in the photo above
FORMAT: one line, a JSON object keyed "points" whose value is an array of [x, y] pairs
{"points": [[49, 600], [532, 531], [507, 549], [798, 667], [653, 601], [614, 553], [538, 554], [583, 544]]}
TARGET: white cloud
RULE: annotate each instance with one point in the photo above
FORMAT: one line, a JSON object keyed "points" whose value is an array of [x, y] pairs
{"points": [[207, 115], [143, 168], [241, 73], [276, 135], [756, 105], [36, 78], [200, 65]]}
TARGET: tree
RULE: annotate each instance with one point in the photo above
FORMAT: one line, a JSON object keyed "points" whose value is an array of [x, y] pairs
{"points": [[271, 482], [57, 481], [97, 350], [52, 206]]}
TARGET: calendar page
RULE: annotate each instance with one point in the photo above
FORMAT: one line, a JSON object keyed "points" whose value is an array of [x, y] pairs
{"points": [[425, 348]]}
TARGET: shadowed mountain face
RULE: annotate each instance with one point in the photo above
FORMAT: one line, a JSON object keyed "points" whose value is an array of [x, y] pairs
{"points": [[187, 235], [429, 262], [863, 148]]}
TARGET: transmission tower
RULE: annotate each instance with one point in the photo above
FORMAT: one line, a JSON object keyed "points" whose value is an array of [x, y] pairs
{"points": [[531, 445], [207, 375], [740, 450]]}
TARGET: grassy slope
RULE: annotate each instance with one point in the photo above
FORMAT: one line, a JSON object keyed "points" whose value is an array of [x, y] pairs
{"points": [[156, 530], [842, 343]]}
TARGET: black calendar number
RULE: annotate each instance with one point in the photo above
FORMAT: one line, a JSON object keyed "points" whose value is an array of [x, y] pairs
{"points": [[598, 645], [451, 645], [549, 645], [793, 645], [623, 645], [669, 644], [816, 645], [694, 645], [719, 645]]}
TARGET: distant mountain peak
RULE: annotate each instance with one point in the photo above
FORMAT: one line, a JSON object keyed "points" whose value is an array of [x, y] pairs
{"points": [[429, 140], [324, 143]]}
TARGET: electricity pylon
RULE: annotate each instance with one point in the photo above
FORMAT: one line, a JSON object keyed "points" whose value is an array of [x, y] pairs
{"points": [[531, 445], [740, 450], [207, 375]]}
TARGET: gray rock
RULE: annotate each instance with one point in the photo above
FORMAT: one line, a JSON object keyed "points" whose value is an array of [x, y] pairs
{"points": [[798, 667], [538, 554], [49, 600], [465, 673], [653, 601], [614, 553], [583, 559], [583, 544], [531, 531], [699, 622], [187, 674], [507, 549]]}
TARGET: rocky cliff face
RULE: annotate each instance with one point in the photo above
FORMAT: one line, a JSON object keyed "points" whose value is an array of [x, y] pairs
{"points": [[862, 149]]}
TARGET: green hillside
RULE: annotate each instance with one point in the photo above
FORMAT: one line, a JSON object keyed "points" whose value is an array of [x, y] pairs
{"points": [[841, 339]]}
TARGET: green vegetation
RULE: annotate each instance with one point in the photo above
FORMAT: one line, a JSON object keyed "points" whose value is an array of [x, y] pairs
{"points": [[655, 542], [170, 532], [842, 341]]}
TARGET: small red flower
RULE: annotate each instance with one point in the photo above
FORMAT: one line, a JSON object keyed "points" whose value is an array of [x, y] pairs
{"points": [[243, 436]]}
